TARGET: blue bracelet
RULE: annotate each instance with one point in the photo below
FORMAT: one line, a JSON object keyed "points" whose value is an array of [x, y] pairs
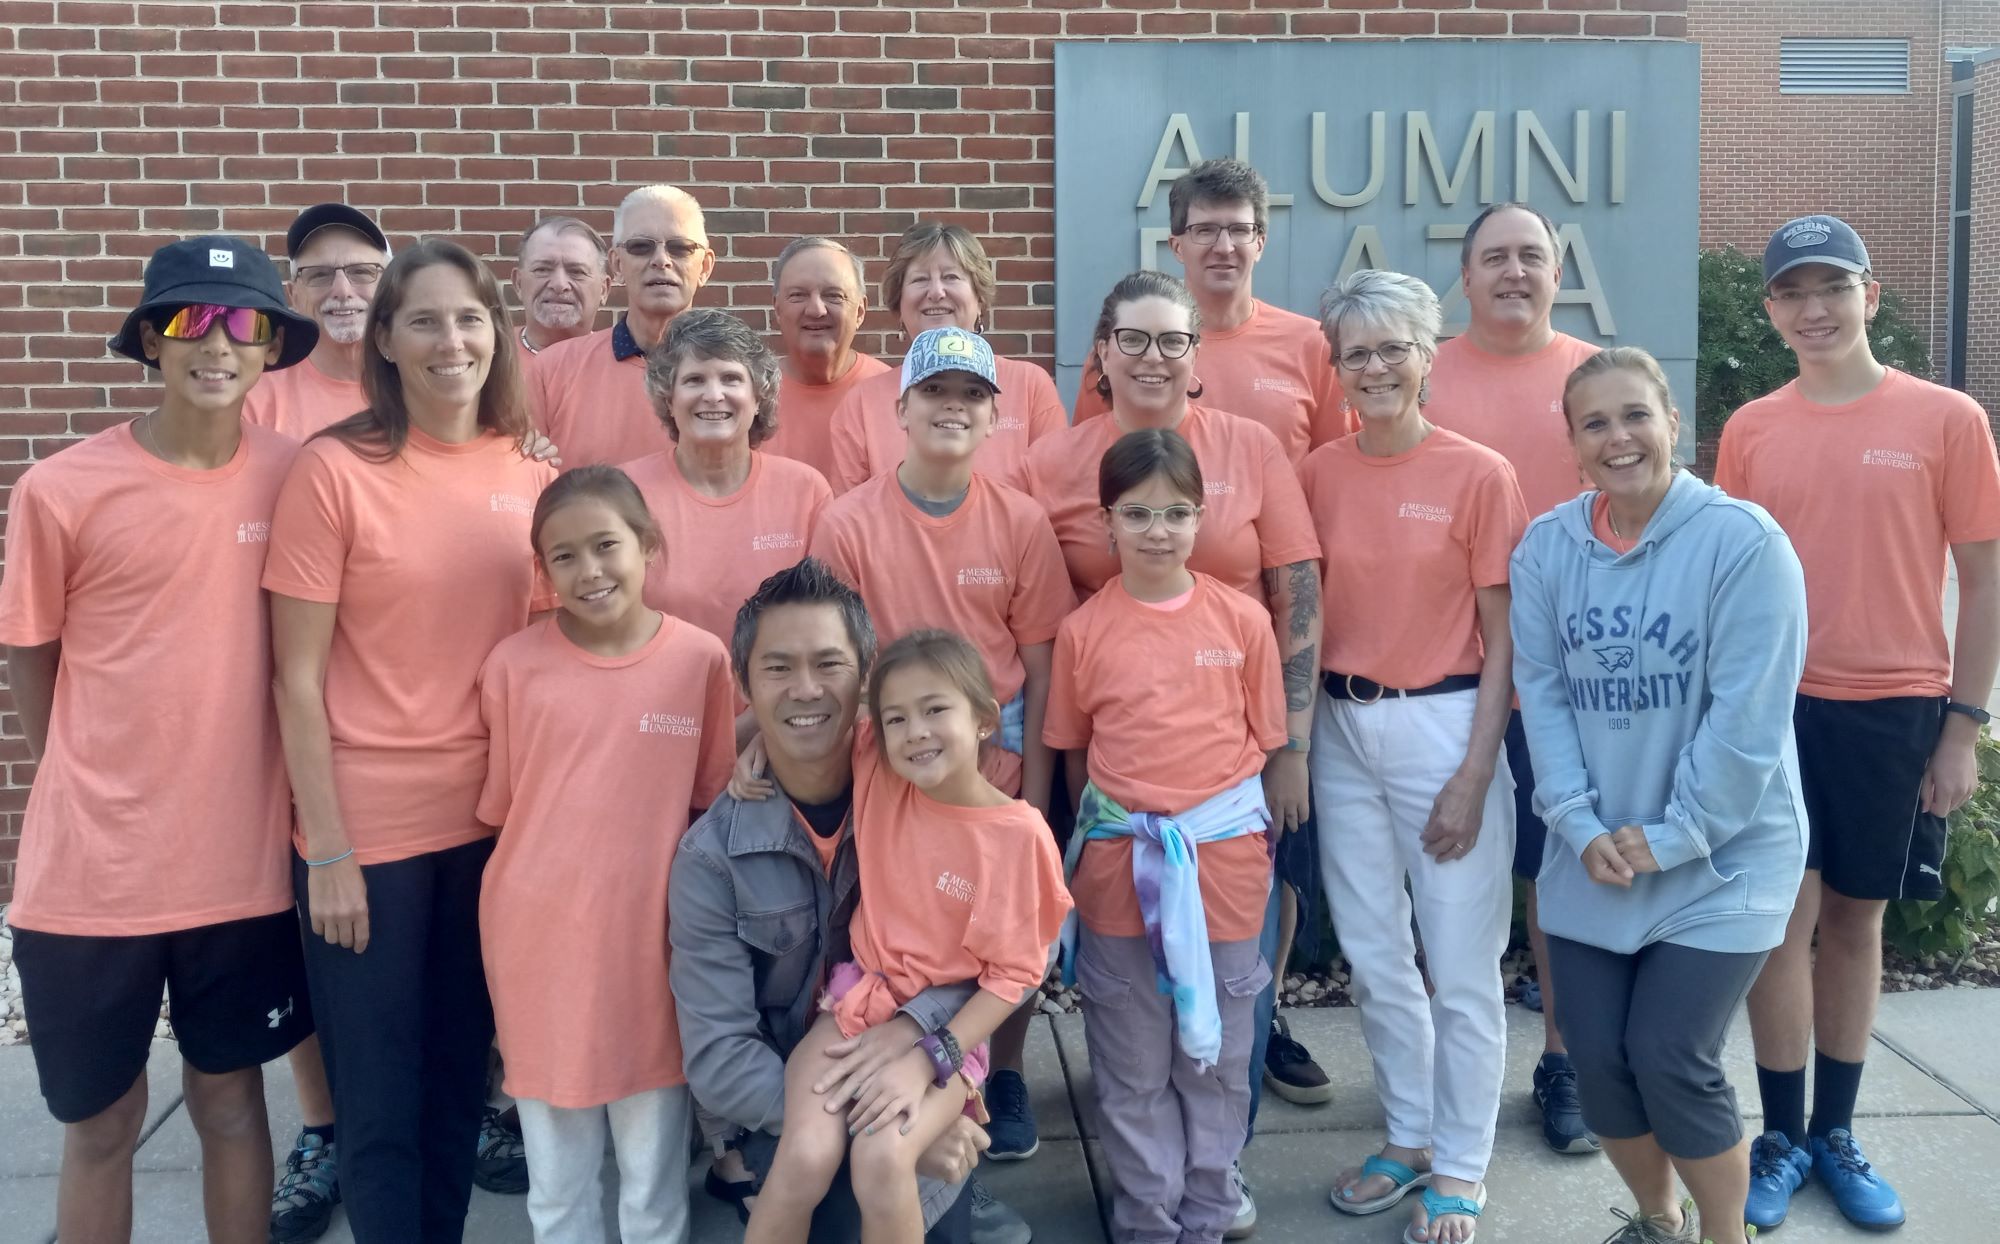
{"points": [[335, 860]]}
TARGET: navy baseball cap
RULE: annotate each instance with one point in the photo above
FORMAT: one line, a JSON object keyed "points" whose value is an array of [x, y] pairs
{"points": [[1814, 239], [226, 272], [320, 215], [949, 349]]}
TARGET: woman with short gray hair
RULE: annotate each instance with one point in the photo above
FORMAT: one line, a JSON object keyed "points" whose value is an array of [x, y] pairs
{"points": [[731, 516], [1417, 524]]}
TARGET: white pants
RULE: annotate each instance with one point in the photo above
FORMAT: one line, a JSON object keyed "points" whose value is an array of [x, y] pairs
{"points": [[1439, 1061], [649, 1135]]}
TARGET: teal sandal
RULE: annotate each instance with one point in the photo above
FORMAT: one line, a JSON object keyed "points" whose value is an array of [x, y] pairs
{"points": [[1405, 1179], [1437, 1205]]}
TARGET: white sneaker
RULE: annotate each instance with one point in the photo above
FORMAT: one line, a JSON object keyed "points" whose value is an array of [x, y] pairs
{"points": [[1245, 1222]]}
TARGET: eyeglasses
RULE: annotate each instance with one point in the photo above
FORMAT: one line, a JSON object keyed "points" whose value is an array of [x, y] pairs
{"points": [[1133, 341], [244, 325], [320, 276], [1390, 352], [1138, 519], [681, 249], [1207, 232], [1796, 298]]}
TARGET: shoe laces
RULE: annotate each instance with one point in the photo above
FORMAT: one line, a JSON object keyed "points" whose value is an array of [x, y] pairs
{"points": [[1282, 1048], [1846, 1153], [1006, 1096], [309, 1174], [1559, 1086], [1769, 1154], [495, 1141], [1643, 1229], [1237, 1184], [981, 1198]]}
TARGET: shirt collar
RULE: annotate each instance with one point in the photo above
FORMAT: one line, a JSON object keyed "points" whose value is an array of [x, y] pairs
{"points": [[623, 344]]}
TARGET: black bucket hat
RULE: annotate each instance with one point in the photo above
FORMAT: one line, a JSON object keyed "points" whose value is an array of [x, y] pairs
{"points": [[225, 271]]}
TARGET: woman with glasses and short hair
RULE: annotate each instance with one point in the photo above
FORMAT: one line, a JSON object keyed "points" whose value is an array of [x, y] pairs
{"points": [[1418, 523]]}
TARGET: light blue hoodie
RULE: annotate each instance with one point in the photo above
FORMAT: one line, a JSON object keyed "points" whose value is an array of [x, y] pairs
{"points": [[1657, 691]]}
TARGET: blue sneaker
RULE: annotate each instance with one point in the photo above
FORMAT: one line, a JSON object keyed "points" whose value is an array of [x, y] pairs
{"points": [[1778, 1168], [1865, 1198], [1013, 1127]]}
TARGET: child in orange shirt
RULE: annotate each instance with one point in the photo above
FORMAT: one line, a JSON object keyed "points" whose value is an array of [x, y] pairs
{"points": [[608, 725], [1171, 680], [992, 915]]}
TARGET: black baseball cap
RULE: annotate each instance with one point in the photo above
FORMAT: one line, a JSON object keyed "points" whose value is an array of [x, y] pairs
{"points": [[320, 215], [1814, 239], [224, 271]]}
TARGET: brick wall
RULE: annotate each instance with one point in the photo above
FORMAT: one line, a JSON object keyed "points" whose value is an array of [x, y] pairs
{"points": [[1982, 375], [125, 123]]}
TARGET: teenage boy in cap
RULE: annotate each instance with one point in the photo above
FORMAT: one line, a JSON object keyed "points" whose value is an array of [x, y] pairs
{"points": [[1875, 475], [155, 852], [337, 256]]}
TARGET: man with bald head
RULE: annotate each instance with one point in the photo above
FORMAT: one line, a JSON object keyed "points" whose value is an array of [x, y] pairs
{"points": [[590, 392], [821, 299], [562, 274], [337, 256]]}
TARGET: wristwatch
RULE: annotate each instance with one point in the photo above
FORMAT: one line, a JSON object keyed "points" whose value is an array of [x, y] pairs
{"points": [[1973, 711]]}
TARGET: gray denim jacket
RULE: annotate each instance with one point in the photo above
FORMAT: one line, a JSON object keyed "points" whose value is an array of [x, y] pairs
{"points": [[755, 922]]}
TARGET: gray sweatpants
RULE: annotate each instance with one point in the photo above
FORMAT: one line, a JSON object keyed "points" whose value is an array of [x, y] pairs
{"points": [[1170, 1131], [1645, 1033]]}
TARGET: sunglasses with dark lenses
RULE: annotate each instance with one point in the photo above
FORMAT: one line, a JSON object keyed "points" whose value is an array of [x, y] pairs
{"points": [[680, 248], [246, 326]]}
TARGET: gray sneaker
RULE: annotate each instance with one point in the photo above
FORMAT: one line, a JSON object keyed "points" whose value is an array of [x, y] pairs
{"points": [[992, 1221], [1646, 1229], [1245, 1222]]}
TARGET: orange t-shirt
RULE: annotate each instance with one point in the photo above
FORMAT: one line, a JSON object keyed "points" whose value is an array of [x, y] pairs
{"points": [[593, 767], [868, 441], [718, 549], [427, 558], [990, 570], [1418, 532], [1600, 526], [805, 414], [1254, 517], [301, 399], [1176, 706], [1273, 369], [948, 894], [1872, 494], [160, 802], [593, 405], [1514, 406]]}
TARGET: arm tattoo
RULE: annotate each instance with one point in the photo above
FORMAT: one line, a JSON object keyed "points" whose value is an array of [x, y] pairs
{"points": [[1305, 599], [1299, 673]]}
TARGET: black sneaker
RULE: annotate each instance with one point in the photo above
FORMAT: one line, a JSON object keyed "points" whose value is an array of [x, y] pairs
{"points": [[303, 1205], [1562, 1110], [1012, 1130], [502, 1164], [1289, 1069]]}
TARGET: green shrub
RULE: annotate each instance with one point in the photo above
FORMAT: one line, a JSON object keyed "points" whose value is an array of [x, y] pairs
{"points": [[1740, 356], [1948, 929]]}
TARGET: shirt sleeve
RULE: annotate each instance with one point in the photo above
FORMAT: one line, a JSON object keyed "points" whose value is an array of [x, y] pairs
{"points": [[847, 428], [34, 592], [1065, 725], [1263, 680], [1046, 416], [829, 544], [1012, 933], [496, 797], [1731, 475], [1042, 593], [717, 755], [309, 536], [1971, 477], [1284, 523], [1499, 516], [1330, 419]]}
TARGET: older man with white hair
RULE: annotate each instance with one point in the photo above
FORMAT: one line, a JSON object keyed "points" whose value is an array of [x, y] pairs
{"points": [[562, 274], [590, 392], [337, 255]]}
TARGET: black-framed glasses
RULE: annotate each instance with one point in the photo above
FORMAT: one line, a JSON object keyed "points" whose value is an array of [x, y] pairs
{"points": [[359, 275], [1134, 341], [1205, 233], [1796, 298], [681, 249], [1137, 520], [1391, 353]]}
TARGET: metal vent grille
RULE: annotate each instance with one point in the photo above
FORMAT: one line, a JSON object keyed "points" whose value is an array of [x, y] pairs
{"points": [[1844, 66]]}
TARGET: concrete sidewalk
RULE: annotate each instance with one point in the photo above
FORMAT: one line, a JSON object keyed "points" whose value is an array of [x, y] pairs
{"points": [[1931, 1103]]}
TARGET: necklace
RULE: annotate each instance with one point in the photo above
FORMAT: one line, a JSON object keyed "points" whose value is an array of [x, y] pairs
{"points": [[147, 442], [1612, 520]]}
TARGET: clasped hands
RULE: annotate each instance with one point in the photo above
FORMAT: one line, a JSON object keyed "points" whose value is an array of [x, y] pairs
{"points": [[1615, 858]]}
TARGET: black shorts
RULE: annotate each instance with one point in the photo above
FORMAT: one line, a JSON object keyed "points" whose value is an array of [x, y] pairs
{"points": [[1862, 765], [1529, 832], [237, 992]]}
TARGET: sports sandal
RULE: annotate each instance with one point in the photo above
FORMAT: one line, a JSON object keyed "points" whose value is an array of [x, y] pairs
{"points": [[1437, 1205], [1405, 1179]]}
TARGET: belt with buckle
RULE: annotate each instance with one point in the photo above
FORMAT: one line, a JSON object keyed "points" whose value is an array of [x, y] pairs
{"points": [[1366, 690]]}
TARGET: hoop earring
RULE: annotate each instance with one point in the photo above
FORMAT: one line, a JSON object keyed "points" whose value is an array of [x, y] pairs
{"points": [[1103, 386], [1198, 389]]}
